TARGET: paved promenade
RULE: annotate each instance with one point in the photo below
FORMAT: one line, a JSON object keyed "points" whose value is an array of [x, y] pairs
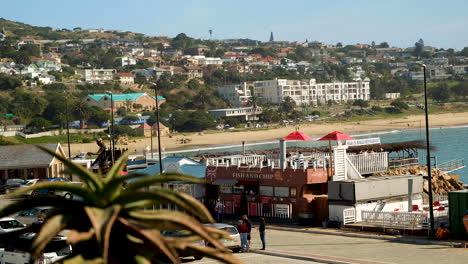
{"points": [[300, 247]]}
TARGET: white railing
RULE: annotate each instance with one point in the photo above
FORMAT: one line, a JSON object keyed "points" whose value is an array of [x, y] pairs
{"points": [[451, 165], [370, 162], [406, 220], [352, 171], [349, 215]]}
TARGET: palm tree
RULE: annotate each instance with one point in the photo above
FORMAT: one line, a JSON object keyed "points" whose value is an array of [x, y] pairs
{"points": [[82, 111], [110, 224]]}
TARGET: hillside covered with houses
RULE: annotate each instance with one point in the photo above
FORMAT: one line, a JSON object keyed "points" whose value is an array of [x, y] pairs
{"points": [[48, 76]]}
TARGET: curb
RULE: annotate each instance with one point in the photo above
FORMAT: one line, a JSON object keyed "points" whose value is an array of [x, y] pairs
{"points": [[303, 258], [369, 236]]}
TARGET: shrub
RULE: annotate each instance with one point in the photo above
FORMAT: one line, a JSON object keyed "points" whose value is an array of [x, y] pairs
{"points": [[376, 108], [392, 110]]}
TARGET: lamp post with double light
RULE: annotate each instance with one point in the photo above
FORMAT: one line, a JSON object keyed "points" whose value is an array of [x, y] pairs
{"points": [[68, 126], [428, 157], [111, 129], [157, 126]]}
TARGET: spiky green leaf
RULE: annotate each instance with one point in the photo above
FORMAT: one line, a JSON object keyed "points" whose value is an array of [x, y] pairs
{"points": [[103, 221], [76, 190], [49, 230], [117, 168], [147, 181], [166, 196], [92, 180], [152, 236], [172, 219]]}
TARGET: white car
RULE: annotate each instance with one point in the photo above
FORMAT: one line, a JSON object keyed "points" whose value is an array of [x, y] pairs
{"points": [[8, 224], [234, 243], [56, 250]]}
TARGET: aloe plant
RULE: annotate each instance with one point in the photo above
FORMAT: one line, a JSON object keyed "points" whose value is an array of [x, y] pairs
{"points": [[109, 224]]}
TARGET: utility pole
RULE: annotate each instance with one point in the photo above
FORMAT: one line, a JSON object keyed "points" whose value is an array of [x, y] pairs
{"points": [[157, 127]]}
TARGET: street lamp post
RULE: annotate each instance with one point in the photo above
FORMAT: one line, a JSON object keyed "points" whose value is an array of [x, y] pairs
{"points": [[68, 127], [428, 157], [157, 127], [111, 129]]}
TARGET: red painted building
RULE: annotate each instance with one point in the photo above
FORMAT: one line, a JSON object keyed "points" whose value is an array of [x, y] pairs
{"points": [[270, 192]]}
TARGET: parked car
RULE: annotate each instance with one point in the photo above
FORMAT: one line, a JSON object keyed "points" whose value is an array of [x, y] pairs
{"points": [[55, 250], [10, 185], [8, 224], [184, 233], [234, 243], [51, 191], [32, 216]]}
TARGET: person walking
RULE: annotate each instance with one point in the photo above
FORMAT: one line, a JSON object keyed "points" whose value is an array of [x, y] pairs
{"points": [[249, 227], [219, 208], [261, 230], [243, 232]]}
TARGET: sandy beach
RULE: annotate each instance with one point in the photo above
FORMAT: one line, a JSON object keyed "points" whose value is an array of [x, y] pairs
{"points": [[314, 130]]}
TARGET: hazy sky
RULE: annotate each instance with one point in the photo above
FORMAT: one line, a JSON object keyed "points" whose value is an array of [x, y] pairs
{"points": [[399, 22]]}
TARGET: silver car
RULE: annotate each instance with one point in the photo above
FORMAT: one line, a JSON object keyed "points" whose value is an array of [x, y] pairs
{"points": [[234, 243]]}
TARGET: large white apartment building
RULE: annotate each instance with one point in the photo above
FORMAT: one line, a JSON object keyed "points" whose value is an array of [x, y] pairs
{"points": [[99, 75], [303, 92]]}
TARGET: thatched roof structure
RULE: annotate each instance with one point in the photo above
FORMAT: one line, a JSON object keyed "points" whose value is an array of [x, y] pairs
{"points": [[413, 145], [406, 146]]}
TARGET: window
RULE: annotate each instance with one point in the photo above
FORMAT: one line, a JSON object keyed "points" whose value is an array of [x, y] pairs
{"points": [[238, 189], [225, 189], [266, 190], [281, 191], [293, 191]]}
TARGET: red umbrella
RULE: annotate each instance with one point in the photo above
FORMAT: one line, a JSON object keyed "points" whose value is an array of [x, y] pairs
{"points": [[297, 135], [335, 136]]}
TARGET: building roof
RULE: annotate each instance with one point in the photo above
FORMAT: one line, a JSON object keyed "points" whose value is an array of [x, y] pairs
{"points": [[124, 74], [145, 126], [197, 169], [121, 97], [161, 126], [26, 156]]}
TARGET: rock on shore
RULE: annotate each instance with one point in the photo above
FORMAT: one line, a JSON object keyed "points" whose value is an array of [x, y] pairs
{"points": [[442, 183]]}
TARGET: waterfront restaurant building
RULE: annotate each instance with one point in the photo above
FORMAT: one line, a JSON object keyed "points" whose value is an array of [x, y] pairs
{"points": [[268, 191]]}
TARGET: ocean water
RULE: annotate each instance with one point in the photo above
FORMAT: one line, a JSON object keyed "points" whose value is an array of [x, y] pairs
{"points": [[450, 142]]}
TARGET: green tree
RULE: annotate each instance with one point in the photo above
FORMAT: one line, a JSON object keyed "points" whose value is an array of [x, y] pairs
{"points": [[110, 223], [418, 48], [384, 45], [56, 110], [270, 115], [39, 124], [361, 103], [460, 90], [440, 93], [127, 120], [464, 52], [122, 130], [98, 116], [288, 105], [55, 87], [8, 82], [399, 104], [81, 111]]}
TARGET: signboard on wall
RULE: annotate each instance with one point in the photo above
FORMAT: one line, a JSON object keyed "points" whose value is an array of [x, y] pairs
{"points": [[365, 141], [282, 210]]}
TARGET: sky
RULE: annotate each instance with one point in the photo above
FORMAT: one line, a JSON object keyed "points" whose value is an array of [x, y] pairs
{"points": [[401, 23]]}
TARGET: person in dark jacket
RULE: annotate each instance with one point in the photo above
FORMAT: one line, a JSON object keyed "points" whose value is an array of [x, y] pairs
{"points": [[261, 230]]}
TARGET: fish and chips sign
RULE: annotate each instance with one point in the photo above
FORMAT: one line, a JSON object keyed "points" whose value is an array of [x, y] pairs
{"points": [[361, 142], [277, 175]]}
